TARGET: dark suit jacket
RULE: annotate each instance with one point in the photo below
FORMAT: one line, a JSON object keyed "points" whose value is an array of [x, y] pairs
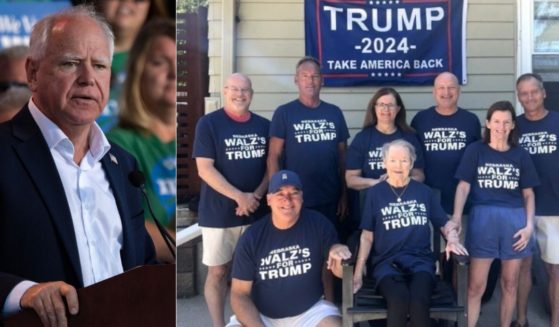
{"points": [[37, 240]]}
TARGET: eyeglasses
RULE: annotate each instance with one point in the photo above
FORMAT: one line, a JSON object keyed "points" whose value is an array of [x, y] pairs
{"points": [[5, 86], [389, 106], [235, 89]]}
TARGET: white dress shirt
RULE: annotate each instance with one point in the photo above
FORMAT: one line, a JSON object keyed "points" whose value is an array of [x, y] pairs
{"points": [[95, 216]]}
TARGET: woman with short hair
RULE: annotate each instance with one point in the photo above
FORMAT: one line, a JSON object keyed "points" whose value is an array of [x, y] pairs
{"points": [[397, 215]]}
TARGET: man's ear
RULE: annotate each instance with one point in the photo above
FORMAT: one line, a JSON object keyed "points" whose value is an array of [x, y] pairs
{"points": [[31, 68]]}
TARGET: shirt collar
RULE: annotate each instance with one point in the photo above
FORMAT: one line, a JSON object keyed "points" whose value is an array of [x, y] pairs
{"points": [[98, 143]]}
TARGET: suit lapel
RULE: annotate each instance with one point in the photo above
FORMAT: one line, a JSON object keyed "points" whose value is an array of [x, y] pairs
{"points": [[35, 156], [117, 180]]}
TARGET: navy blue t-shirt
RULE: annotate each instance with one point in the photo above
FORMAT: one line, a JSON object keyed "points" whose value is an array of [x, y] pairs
{"points": [[444, 140], [239, 151], [539, 138], [311, 137], [401, 230], [285, 266], [497, 178], [365, 151]]}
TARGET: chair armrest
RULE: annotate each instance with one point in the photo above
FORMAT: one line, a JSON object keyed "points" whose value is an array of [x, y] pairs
{"points": [[460, 259], [347, 283], [460, 277], [349, 262]]}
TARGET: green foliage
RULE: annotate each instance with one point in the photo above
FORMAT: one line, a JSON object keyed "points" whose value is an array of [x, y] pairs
{"points": [[186, 6]]}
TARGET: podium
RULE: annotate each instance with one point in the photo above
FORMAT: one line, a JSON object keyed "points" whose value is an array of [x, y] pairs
{"points": [[142, 296]]}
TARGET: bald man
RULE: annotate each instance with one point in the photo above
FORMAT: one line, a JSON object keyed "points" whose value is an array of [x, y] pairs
{"points": [[444, 131], [230, 148]]}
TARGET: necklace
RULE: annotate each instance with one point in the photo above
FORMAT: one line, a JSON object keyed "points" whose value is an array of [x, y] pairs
{"points": [[399, 196]]}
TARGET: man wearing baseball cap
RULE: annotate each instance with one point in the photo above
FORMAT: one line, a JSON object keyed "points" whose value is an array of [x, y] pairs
{"points": [[279, 261]]}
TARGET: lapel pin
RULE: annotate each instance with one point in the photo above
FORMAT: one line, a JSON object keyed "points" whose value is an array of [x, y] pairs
{"points": [[113, 159]]}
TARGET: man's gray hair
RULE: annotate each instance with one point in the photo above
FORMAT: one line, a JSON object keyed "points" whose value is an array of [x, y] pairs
{"points": [[42, 29], [399, 143], [529, 76], [306, 59]]}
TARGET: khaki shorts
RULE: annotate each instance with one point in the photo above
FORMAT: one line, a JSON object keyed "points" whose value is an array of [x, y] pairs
{"points": [[312, 317], [218, 244], [547, 234]]}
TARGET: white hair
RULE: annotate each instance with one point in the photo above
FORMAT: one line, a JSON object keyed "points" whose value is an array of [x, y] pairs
{"points": [[42, 29], [399, 143]]}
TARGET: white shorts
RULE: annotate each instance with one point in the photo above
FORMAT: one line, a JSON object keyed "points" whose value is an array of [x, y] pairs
{"points": [[547, 234], [218, 244], [310, 318]]}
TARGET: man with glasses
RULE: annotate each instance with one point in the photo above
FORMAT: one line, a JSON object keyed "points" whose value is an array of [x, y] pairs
{"points": [[279, 262], [230, 148]]}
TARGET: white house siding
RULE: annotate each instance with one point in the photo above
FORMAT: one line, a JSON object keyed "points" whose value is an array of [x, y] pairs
{"points": [[270, 40]]}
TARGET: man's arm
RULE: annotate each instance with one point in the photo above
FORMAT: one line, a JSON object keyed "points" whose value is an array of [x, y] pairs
{"points": [[262, 188], [275, 152], [342, 202], [242, 304], [356, 181], [246, 202], [525, 233]]}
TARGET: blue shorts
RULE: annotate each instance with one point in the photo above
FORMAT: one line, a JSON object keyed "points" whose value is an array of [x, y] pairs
{"points": [[491, 230]]}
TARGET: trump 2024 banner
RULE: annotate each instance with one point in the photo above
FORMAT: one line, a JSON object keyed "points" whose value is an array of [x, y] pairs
{"points": [[379, 42]]}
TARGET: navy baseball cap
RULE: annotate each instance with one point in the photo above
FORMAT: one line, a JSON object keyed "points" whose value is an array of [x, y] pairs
{"points": [[282, 178]]}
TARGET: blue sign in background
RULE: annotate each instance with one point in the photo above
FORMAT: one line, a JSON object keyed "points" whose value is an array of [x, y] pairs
{"points": [[17, 19], [395, 42]]}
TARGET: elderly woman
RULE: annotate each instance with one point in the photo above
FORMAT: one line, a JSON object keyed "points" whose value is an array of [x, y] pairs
{"points": [[499, 176], [385, 121], [397, 212]]}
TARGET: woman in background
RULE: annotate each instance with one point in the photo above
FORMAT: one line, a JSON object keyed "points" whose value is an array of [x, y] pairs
{"points": [[126, 19], [147, 121]]}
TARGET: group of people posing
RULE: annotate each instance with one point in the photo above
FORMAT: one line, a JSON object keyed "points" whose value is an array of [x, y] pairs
{"points": [[498, 189]]}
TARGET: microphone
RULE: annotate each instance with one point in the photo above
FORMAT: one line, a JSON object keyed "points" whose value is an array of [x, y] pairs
{"points": [[137, 179]]}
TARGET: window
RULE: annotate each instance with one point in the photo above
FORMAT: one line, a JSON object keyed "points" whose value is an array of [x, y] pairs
{"points": [[539, 44]]}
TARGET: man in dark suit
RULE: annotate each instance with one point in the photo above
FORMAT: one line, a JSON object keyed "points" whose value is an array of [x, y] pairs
{"points": [[68, 215]]}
